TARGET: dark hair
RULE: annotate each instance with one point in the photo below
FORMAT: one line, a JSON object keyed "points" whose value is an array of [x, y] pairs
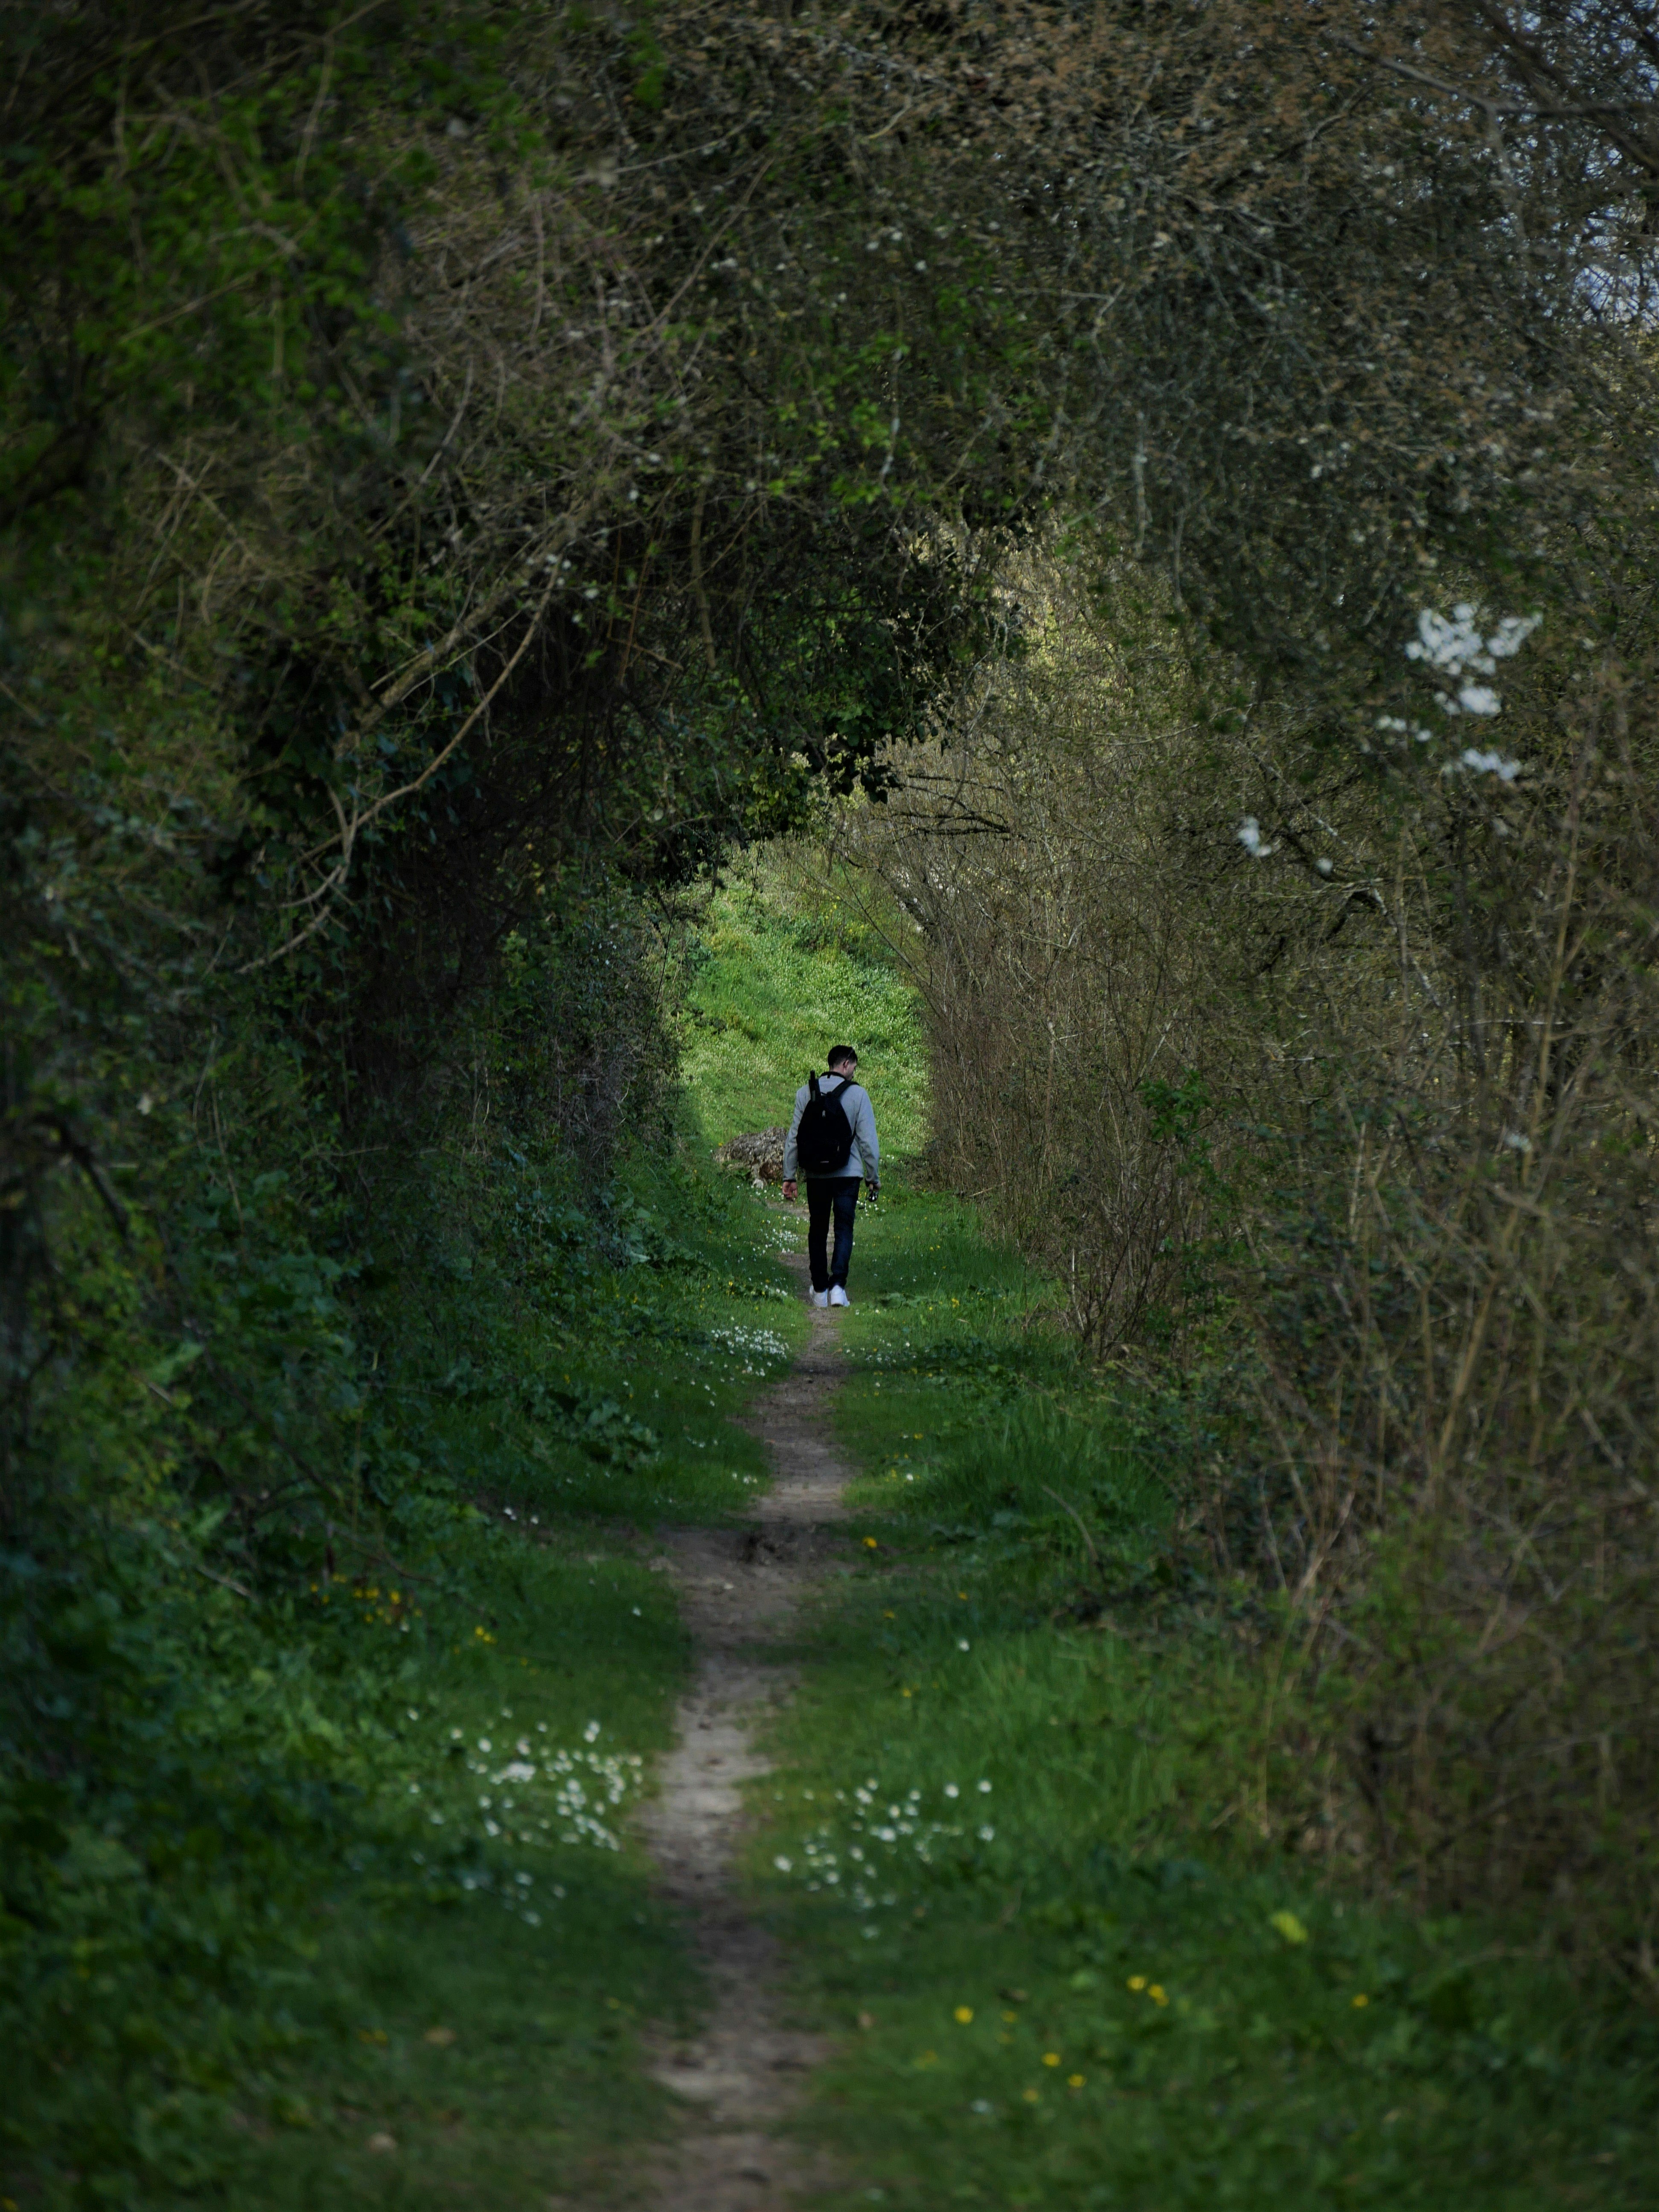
{"points": [[839, 1053]]}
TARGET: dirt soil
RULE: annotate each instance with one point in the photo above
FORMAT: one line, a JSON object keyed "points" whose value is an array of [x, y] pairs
{"points": [[740, 1589]]}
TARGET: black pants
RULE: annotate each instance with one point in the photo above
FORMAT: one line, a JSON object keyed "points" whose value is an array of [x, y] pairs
{"points": [[826, 1195]]}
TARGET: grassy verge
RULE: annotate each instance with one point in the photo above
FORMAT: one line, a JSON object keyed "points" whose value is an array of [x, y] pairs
{"points": [[485, 1953], [494, 1946], [1001, 1842], [363, 1924]]}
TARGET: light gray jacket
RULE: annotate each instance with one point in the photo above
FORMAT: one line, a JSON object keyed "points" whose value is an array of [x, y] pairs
{"points": [[865, 1158]]}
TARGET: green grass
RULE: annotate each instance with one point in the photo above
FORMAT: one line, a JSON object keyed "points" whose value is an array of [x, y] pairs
{"points": [[774, 988], [1087, 1985], [615, 1396], [367, 1964], [563, 1420], [480, 1981], [1084, 1988], [473, 1911]]}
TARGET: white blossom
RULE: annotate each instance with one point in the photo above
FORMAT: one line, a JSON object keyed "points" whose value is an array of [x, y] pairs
{"points": [[1455, 644], [1479, 699], [1479, 763]]}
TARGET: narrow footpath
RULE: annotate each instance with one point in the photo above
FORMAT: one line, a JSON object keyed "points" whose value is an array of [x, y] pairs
{"points": [[739, 1590]]}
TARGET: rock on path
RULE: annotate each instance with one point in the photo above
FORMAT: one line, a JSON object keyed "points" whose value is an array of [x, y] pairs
{"points": [[740, 1589]]}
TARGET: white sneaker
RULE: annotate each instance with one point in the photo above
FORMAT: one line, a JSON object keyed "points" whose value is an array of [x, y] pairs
{"points": [[838, 1297], [820, 1297]]}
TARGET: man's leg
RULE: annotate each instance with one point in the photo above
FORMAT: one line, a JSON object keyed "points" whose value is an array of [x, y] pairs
{"points": [[845, 1203], [819, 1198]]}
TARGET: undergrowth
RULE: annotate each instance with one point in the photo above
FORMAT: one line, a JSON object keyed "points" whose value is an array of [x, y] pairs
{"points": [[1006, 1844], [318, 1885]]}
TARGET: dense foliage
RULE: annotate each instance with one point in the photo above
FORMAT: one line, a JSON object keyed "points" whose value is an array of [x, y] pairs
{"points": [[464, 465]]}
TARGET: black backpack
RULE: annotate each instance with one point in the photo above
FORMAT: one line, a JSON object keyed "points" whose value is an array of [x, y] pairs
{"points": [[824, 1138]]}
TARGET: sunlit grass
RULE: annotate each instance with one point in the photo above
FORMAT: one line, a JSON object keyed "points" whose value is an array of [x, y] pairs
{"points": [[769, 999]]}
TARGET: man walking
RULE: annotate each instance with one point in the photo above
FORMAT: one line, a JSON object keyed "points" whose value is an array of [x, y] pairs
{"points": [[833, 1139]]}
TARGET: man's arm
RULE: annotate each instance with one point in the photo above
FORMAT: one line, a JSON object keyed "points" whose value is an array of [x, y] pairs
{"points": [[864, 1128], [791, 1160]]}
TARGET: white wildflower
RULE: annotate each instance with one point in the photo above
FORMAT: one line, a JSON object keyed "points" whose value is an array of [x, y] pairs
{"points": [[1250, 837]]}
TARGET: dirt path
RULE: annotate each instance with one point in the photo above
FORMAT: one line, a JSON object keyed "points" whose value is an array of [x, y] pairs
{"points": [[739, 1591]]}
